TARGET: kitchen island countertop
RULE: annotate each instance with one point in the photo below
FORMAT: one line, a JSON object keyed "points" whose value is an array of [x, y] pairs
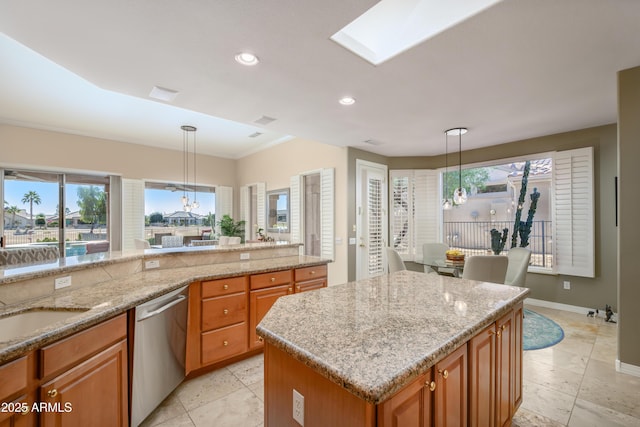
{"points": [[374, 336]]}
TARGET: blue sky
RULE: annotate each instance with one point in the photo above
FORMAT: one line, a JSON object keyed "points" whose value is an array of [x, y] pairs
{"points": [[155, 200]]}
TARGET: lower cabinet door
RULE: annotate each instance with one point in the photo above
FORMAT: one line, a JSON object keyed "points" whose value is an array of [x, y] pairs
{"points": [[93, 393], [260, 302], [505, 367], [411, 406], [450, 403], [17, 413], [482, 378]]}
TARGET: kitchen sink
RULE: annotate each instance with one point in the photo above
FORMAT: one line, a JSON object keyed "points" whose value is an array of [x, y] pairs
{"points": [[25, 322]]}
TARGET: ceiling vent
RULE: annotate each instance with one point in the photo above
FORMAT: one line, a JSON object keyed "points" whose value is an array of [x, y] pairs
{"points": [[373, 142], [255, 134], [264, 120], [163, 94]]}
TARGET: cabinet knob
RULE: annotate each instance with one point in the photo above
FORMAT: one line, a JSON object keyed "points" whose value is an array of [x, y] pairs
{"points": [[499, 333], [225, 311], [52, 393], [225, 287], [313, 272], [503, 327], [431, 385], [25, 410], [297, 288], [290, 290], [444, 373], [260, 339], [225, 343], [273, 279]]}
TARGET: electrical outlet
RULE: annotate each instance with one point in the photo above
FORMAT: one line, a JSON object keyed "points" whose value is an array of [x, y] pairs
{"points": [[62, 282], [567, 284], [298, 407], [246, 255], [154, 263]]}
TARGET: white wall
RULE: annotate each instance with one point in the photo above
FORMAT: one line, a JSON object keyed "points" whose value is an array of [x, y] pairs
{"points": [[276, 165]]}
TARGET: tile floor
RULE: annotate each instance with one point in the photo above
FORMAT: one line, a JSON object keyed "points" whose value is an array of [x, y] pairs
{"points": [[573, 383]]}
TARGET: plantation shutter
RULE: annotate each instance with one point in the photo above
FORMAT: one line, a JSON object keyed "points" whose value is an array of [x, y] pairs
{"points": [[427, 209], [327, 213], [224, 203], [374, 225], [245, 211], [294, 210], [132, 212], [261, 196], [401, 229], [573, 212]]}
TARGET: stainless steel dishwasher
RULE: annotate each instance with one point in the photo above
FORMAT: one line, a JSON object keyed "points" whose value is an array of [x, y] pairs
{"points": [[158, 351]]}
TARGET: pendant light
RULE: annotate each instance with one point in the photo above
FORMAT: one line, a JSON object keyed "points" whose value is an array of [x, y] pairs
{"points": [[186, 131], [446, 203], [460, 193]]}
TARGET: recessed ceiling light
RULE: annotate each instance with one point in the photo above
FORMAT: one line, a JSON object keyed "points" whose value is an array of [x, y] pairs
{"points": [[347, 100], [246, 58]]}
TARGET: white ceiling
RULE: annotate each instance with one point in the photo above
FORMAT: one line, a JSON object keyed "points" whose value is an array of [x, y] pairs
{"points": [[520, 69]]}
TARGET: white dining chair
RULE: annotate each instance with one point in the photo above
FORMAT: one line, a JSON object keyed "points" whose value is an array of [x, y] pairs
{"points": [[142, 244], [433, 253], [517, 266], [487, 268], [395, 261]]}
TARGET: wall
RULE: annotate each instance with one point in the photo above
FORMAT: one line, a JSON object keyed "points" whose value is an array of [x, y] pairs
{"points": [[585, 292], [56, 151], [628, 247], [276, 165]]}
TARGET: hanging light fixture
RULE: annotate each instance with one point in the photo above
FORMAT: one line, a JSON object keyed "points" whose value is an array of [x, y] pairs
{"points": [[460, 193], [446, 203], [186, 130]]}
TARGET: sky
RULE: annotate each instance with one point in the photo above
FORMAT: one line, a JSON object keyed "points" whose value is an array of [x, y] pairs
{"points": [[155, 200]]}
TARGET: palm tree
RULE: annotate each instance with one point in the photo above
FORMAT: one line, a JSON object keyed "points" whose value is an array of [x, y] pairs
{"points": [[13, 210], [31, 197]]}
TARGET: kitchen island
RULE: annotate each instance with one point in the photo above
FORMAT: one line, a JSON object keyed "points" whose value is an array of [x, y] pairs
{"points": [[401, 349]]}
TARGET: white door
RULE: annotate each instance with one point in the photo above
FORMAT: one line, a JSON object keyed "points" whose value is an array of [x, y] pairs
{"points": [[371, 219]]}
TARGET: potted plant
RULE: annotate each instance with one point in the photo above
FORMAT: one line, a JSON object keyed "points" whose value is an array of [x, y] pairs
{"points": [[231, 228]]}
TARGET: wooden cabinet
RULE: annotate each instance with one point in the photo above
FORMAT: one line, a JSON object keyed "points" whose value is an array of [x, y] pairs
{"points": [[85, 377], [15, 381], [495, 372], [437, 398], [310, 278], [260, 302]]}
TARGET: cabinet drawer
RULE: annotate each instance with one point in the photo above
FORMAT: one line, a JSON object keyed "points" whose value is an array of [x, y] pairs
{"points": [[68, 352], [265, 280], [215, 288], [224, 311], [223, 343], [14, 377], [310, 273], [310, 285]]}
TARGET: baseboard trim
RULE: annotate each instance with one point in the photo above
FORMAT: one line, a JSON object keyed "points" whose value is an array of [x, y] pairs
{"points": [[628, 369], [557, 306]]}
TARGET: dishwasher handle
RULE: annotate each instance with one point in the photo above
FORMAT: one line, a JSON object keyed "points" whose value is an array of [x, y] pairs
{"points": [[167, 306]]}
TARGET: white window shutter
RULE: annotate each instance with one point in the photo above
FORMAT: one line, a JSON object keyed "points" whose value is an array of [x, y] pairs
{"points": [[327, 240], [245, 211], [573, 212], [295, 210], [261, 193], [224, 203], [401, 229], [427, 209], [132, 212]]}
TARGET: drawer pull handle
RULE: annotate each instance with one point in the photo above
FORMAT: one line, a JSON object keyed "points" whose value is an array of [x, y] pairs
{"points": [[225, 343], [431, 385], [313, 272], [52, 393], [444, 373], [225, 311], [225, 287], [273, 279]]}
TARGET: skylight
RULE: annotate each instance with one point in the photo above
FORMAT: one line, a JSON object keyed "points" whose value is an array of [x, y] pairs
{"points": [[393, 26]]}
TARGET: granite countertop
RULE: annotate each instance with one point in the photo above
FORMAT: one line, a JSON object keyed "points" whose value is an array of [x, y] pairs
{"points": [[374, 336], [107, 299]]}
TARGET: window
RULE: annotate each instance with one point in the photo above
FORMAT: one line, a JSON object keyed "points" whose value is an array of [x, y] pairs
{"points": [[561, 236], [67, 210], [164, 213]]}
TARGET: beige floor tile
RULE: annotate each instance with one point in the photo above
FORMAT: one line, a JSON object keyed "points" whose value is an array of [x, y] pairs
{"points": [[587, 414], [604, 386], [258, 389], [249, 371], [207, 388], [554, 356], [547, 402], [170, 408], [526, 418], [553, 377], [240, 408], [180, 421]]}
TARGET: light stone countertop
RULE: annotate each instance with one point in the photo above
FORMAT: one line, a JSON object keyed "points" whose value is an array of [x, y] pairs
{"points": [[99, 302], [374, 336]]}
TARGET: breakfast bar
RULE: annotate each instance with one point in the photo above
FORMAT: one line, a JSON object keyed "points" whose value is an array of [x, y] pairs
{"points": [[400, 349]]}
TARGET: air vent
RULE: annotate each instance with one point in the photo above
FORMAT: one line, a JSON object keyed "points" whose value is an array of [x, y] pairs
{"points": [[264, 120], [163, 94], [373, 142], [255, 134]]}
